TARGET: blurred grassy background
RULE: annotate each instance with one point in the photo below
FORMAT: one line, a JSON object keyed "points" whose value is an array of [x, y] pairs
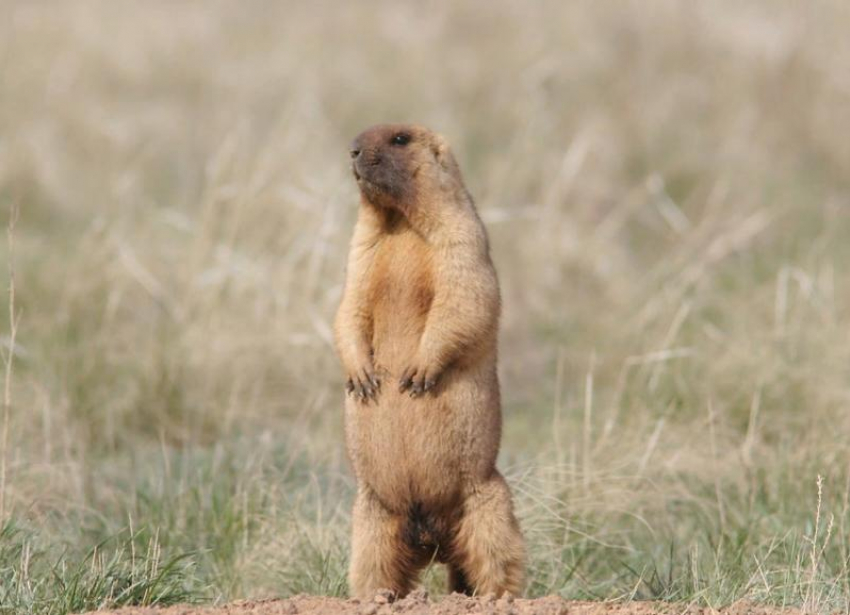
{"points": [[666, 189]]}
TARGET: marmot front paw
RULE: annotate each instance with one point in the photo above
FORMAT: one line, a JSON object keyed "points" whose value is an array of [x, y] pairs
{"points": [[364, 384], [418, 380]]}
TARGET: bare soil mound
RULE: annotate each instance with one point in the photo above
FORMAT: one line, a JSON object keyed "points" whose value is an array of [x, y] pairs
{"points": [[418, 603]]}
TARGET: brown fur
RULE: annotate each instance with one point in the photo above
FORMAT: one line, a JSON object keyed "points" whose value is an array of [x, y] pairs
{"points": [[416, 333]]}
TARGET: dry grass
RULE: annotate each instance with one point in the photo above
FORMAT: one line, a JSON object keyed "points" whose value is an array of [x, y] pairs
{"points": [[666, 188]]}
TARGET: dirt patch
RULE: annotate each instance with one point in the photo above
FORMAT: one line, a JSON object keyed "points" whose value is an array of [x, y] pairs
{"points": [[418, 603]]}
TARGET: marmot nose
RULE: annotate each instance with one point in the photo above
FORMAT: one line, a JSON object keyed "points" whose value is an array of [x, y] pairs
{"points": [[355, 153]]}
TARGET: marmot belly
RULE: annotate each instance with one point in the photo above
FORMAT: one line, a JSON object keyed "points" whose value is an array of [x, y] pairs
{"points": [[392, 443]]}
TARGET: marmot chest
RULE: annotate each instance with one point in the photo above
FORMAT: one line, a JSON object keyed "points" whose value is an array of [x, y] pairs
{"points": [[401, 289]]}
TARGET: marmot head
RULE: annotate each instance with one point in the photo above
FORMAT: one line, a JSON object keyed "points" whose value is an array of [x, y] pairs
{"points": [[400, 165]]}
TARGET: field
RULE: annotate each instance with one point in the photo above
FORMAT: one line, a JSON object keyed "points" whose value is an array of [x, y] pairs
{"points": [[667, 191]]}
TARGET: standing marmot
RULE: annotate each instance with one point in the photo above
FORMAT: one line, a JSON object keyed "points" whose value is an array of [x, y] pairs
{"points": [[416, 333]]}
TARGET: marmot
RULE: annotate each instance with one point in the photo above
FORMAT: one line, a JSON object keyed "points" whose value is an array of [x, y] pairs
{"points": [[416, 333]]}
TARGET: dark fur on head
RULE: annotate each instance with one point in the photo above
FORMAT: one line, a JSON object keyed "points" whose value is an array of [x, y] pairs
{"points": [[395, 163]]}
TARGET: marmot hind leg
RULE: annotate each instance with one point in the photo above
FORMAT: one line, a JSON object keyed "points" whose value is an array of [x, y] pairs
{"points": [[488, 547], [380, 556]]}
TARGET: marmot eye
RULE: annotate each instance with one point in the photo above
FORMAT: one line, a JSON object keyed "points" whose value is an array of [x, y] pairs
{"points": [[401, 138]]}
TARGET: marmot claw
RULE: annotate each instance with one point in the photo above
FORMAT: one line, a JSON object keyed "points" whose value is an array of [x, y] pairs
{"points": [[417, 381], [364, 386]]}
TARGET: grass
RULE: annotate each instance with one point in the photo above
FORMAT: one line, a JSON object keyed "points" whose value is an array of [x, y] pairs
{"points": [[665, 187], [111, 573]]}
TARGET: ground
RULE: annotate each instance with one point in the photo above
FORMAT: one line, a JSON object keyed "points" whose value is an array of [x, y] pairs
{"points": [[418, 603]]}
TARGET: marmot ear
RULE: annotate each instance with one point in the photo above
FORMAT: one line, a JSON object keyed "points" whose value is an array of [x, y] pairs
{"points": [[443, 153]]}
